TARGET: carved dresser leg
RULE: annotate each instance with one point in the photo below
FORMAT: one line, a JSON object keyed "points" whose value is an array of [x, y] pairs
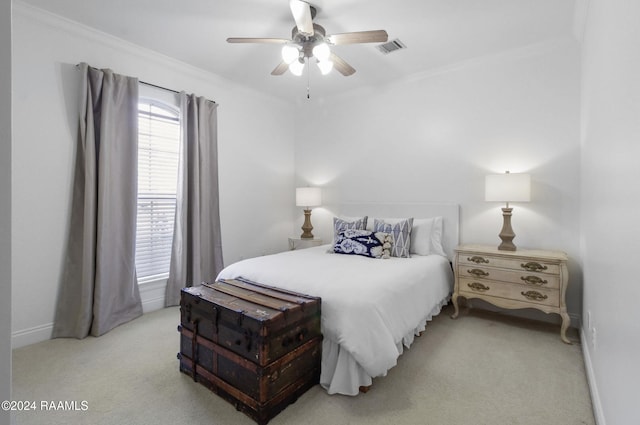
{"points": [[454, 299], [566, 320]]}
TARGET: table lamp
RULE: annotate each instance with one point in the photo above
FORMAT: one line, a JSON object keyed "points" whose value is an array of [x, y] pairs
{"points": [[507, 187], [308, 197]]}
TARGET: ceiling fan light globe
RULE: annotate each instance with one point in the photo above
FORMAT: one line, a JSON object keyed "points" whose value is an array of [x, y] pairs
{"points": [[289, 53], [322, 52], [296, 68], [325, 67]]}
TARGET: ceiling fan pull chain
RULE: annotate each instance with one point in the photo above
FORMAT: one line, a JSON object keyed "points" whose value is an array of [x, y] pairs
{"points": [[308, 79]]}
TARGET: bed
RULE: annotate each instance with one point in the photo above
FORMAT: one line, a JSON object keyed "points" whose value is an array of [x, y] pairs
{"points": [[371, 308]]}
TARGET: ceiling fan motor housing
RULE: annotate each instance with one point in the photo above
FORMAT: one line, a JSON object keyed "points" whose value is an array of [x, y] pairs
{"points": [[307, 43]]}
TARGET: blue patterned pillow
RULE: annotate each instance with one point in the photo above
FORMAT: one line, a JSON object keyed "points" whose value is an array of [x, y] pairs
{"points": [[340, 224], [363, 242], [401, 232]]}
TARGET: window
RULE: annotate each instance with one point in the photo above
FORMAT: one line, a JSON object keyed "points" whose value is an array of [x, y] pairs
{"points": [[158, 153]]}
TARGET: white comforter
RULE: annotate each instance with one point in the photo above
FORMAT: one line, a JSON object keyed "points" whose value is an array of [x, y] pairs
{"points": [[369, 306]]}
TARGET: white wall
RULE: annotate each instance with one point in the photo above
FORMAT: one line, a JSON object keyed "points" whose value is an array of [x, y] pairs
{"points": [[255, 153], [434, 137], [611, 207], [5, 206]]}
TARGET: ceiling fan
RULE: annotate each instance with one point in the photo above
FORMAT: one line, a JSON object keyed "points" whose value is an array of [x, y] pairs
{"points": [[310, 40]]}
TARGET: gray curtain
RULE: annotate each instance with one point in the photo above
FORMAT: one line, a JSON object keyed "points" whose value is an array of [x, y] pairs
{"points": [[197, 248], [99, 289]]}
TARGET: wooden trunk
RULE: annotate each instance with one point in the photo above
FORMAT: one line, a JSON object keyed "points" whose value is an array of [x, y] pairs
{"points": [[256, 346]]}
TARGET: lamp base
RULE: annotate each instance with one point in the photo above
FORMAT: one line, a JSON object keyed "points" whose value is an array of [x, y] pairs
{"points": [[506, 234], [306, 226]]}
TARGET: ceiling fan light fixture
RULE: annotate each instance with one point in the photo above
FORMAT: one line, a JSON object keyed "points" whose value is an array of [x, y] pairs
{"points": [[310, 40], [322, 52], [290, 53], [325, 67], [296, 67]]}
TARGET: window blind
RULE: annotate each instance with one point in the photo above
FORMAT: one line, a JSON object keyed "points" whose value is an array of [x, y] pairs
{"points": [[158, 154]]}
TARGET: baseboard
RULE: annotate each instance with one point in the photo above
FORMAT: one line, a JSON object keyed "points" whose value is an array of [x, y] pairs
{"points": [[152, 295], [591, 380], [32, 335]]}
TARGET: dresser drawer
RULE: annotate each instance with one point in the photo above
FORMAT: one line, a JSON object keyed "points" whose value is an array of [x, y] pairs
{"points": [[470, 287], [531, 278], [523, 264], [534, 280]]}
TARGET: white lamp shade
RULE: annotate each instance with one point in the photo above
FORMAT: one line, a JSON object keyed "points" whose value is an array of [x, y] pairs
{"points": [[289, 53], [296, 67], [308, 196], [321, 52], [325, 67], [508, 187]]}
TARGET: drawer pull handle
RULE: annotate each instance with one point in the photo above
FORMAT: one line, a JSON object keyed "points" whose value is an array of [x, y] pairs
{"points": [[477, 259], [532, 266], [534, 280], [478, 272], [534, 296], [478, 287]]}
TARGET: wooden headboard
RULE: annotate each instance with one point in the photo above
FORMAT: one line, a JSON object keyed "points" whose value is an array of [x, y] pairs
{"points": [[450, 214]]}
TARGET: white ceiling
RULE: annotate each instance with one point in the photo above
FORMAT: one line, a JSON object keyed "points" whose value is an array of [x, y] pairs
{"points": [[437, 33]]}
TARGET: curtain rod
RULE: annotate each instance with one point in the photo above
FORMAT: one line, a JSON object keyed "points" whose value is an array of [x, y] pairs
{"points": [[164, 88], [158, 87], [149, 84]]}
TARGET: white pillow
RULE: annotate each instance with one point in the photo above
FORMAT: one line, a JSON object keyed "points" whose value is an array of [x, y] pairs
{"points": [[426, 236], [436, 237]]}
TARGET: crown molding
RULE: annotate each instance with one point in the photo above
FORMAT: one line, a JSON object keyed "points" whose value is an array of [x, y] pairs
{"points": [[82, 31], [505, 56]]}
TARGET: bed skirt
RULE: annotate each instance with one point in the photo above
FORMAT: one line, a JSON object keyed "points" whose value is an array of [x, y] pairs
{"points": [[341, 374]]}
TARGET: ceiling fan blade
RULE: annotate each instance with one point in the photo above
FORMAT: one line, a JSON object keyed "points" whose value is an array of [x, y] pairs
{"points": [[343, 67], [280, 69], [301, 12], [257, 40], [375, 36]]}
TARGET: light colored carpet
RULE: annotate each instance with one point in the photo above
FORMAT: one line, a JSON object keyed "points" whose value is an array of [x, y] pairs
{"points": [[483, 368]]}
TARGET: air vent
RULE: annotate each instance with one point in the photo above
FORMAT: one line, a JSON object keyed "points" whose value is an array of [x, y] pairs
{"points": [[392, 46]]}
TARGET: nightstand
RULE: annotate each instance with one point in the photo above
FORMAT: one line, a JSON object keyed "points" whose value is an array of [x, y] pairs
{"points": [[299, 243], [513, 279]]}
